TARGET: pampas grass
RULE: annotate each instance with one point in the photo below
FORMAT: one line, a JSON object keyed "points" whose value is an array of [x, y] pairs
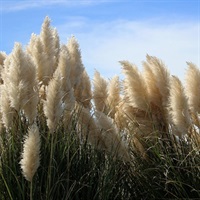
{"points": [[6, 111], [2, 57], [157, 78], [36, 49], [114, 97], [100, 92], [14, 76], [56, 41], [19, 76], [136, 138], [83, 93], [31, 153], [53, 105], [63, 71], [50, 44], [179, 109], [64, 68], [134, 86], [152, 85], [192, 88], [162, 77], [76, 61]]}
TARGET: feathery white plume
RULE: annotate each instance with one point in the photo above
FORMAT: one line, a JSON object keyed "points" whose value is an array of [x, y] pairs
{"points": [[31, 153], [53, 106], [100, 92], [76, 61], [178, 106], [134, 86]]}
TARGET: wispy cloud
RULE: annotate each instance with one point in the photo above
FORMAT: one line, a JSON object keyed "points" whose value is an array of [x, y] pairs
{"points": [[107, 36], [104, 44], [11, 6]]}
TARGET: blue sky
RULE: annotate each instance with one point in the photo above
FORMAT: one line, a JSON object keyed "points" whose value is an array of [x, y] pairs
{"points": [[109, 30]]}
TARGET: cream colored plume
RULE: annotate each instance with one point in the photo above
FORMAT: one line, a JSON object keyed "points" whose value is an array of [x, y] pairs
{"points": [[100, 92], [19, 77], [120, 117], [83, 92], [113, 95], [152, 85], [32, 93], [6, 111], [192, 87], [50, 45], [2, 57], [56, 41], [178, 106], [76, 61], [35, 48], [158, 91], [113, 142], [31, 153], [162, 77], [63, 71], [134, 86], [53, 105], [64, 66]]}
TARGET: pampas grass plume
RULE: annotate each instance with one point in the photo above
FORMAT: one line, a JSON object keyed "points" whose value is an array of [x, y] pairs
{"points": [[134, 86], [76, 61], [100, 92], [31, 153], [31, 93], [19, 77], [178, 106], [162, 77], [14, 69], [35, 48], [63, 70], [193, 87], [83, 92], [5, 108], [56, 41], [113, 95], [2, 57], [152, 85], [50, 45], [53, 107]]}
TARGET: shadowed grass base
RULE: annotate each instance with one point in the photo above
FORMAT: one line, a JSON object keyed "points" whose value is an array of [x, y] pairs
{"points": [[76, 170]]}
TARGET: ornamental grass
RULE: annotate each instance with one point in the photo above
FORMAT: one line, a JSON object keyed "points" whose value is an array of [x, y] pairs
{"points": [[65, 136]]}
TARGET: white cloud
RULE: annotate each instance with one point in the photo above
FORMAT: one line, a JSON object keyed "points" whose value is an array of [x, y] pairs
{"points": [[9, 6], [104, 44]]}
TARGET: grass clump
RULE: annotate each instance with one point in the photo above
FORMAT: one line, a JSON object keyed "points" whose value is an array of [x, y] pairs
{"points": [[64, 137]]}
